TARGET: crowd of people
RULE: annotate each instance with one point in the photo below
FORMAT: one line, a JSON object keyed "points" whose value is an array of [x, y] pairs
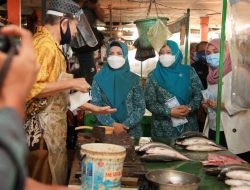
{"points": [[33, 110]]}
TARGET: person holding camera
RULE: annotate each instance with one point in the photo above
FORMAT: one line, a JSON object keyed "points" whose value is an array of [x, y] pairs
{"points": [[45, 122], [13, 93], [85, 53]]}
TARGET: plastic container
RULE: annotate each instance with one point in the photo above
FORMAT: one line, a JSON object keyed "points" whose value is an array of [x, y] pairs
{"points": [[102, 166], [143, 26]]}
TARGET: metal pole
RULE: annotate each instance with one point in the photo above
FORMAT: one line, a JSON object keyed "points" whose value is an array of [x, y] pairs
{"points": [[222, 50], [43, 11], [187, 36]]}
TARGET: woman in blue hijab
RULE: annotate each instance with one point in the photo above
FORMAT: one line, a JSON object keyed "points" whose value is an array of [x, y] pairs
{"points": [[172, 94], [116, 86]]}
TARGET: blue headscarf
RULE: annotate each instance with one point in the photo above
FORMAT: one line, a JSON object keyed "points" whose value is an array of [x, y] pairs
{"points": [[176, 78], [116, 83]]}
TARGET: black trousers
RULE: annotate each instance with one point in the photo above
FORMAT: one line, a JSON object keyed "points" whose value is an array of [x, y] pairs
{"points": [[87, 66], [212, 135]]}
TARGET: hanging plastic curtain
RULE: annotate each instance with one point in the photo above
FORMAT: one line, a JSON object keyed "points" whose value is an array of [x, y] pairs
{"points": [[157, 34], [239, 39]]}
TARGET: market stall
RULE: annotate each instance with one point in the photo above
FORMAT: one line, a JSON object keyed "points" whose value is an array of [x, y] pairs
{"points": [[195, 167]]}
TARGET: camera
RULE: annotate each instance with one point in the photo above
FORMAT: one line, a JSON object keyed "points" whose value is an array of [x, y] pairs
{"points": [[5, 43]]}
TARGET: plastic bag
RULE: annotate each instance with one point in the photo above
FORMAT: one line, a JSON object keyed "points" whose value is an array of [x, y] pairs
{"points": [[239, 42], [157, 35]]}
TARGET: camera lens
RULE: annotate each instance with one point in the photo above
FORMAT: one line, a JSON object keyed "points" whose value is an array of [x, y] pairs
{"points": [[5, 43]]}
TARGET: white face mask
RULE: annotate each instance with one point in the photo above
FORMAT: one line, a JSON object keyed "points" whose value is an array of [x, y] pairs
{"points": [[115, 61], [167, 60]]}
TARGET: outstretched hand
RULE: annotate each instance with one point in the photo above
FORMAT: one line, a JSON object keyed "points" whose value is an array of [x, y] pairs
{"points": [[97, 109]]}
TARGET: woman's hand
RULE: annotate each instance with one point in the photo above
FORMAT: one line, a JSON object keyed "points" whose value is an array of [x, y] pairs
{"points": [[119, 128], [205, 104], [97, 109], [213, 104], [180, 111]]}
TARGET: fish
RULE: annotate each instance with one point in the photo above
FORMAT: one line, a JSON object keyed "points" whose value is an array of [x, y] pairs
{"points": [[240, 187], [234, 167], [145, 147], [156, 158], [239, 174], [195, 141], [175, 155], [222, 160], [203, 148], [236, 182], [191, 134]]}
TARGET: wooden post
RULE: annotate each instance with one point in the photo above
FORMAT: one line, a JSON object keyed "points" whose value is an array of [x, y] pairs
{"points": [[204, 28], [110, 21], [14, 12]]}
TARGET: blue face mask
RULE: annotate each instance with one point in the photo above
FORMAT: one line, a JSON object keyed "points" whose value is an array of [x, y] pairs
{"points": [[201, 56], [195, 58], [214, 60], [65, 37]]}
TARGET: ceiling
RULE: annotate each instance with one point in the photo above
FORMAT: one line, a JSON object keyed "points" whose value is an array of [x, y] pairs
{"points": [[127, 11]]}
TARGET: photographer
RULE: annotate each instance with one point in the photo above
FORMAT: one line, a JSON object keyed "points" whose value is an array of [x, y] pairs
{"points": [[85, 54], [13, 93]]}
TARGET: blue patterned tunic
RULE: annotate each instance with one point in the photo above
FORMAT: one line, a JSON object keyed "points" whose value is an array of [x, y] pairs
{"points": [[156, 97], [135, 105]]}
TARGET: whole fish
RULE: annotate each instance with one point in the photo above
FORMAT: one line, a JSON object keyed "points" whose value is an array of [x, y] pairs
{"points": [[240, 187], [195, 141], [190, 134], [239, 174], [168, 152], [145, 147], [236, 182], [222, 170], [156, 158], [229, 168], [203, 148]]}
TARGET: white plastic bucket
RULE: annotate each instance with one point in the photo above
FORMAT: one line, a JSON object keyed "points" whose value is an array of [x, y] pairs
{"points": [[102, 166]]}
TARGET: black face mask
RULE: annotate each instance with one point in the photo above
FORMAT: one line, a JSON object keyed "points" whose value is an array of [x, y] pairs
{"points": [[65, 37]]}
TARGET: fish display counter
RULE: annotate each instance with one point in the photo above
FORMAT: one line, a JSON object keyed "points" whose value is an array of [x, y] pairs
{"points": [[179, 159], [193, 166]]}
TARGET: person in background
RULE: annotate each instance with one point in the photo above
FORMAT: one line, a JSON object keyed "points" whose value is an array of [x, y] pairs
{"points": [[235, 129], [45, 122], [191, 52], [172, 79], [200, 64], [201, 68], [13, 93], [85, 55], [115, 85]]}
